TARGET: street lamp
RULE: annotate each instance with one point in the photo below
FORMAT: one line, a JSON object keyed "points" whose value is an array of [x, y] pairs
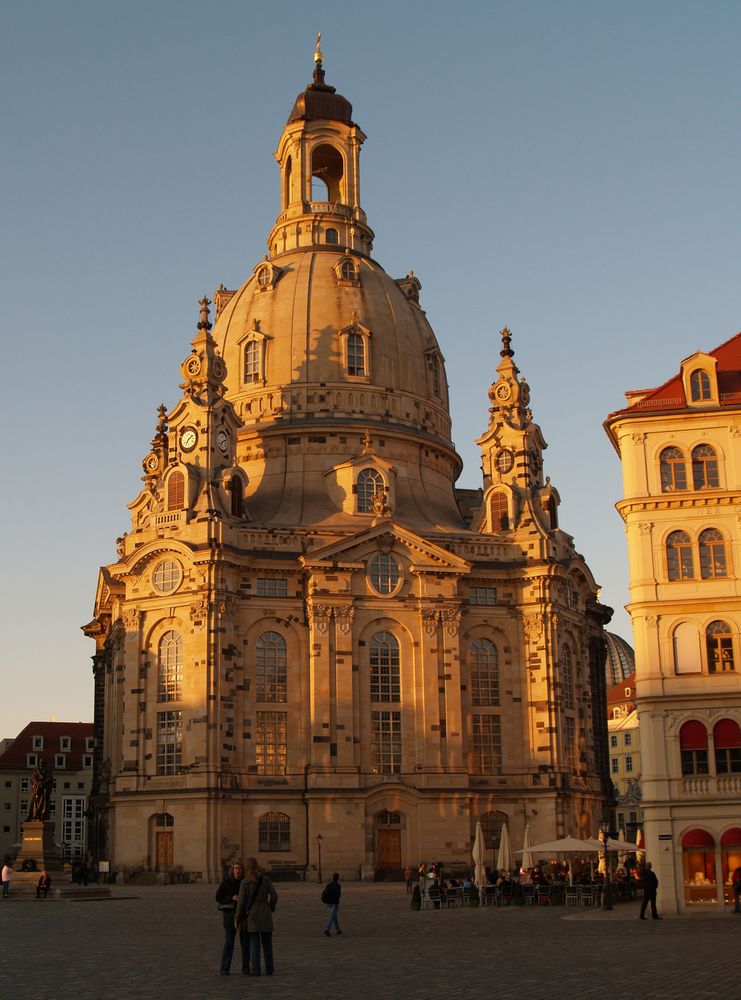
{"points": [[604, 836], [319, 840]]}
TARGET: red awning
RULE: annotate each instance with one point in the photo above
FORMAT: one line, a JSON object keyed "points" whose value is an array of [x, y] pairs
{"points": [[727, 734], [732, 837], [698, 838], [693, 736]]}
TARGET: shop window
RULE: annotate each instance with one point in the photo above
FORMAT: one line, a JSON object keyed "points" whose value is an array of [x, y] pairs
{"points": [[705, 468], [712, 554], [730, 855], [693, 745], [679, 556], [727, 740], [719, 644], [672, 470], [699, 386], [698, 862]]}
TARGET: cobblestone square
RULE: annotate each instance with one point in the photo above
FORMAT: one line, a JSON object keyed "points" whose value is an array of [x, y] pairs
{"points": [[165, 942]]}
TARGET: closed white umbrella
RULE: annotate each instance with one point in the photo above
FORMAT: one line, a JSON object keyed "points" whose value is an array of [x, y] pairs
{"points": [[527, 854], [641, 846], [504, 857], [478, 855]]}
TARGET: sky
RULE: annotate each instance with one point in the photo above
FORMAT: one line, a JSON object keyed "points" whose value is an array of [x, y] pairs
{"points": [[568, 168]]}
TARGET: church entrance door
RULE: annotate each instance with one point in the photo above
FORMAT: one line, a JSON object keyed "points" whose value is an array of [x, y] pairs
{"points": [[388, 849], [164, 849]]}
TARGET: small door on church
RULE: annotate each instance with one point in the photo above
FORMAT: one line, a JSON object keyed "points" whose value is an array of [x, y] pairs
{"points": [[164, 849], [388, 849]]}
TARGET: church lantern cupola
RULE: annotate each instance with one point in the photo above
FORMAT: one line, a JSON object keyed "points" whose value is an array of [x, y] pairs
{"points": [[319, 158]]}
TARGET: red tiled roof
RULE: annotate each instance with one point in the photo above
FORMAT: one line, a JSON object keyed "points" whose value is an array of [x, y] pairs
{"points": [[671, 395], [15, 756], [616, 692]]}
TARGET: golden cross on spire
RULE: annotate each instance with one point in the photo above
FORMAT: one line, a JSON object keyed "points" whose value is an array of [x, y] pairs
{"points": [[318, 57]]}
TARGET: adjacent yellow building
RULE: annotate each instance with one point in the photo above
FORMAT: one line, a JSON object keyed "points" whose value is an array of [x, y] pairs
{"points": [[680, 448], [311, 640]]}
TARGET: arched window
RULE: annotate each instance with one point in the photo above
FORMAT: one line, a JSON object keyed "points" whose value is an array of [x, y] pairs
{"points": [[369, 483], [698, 863], [699, 385], [271, 668], [348, 270], [274, 832], [693, 746], [387, 818], [326, 174], [672, 470], [237, 495], [567, 677], [163, 820], [484, 672], [491, 827], [288, 197], [727, 740], [355, 354], [687, 649], [330, 236], [679, 556], [712, 554], [170, 671], [705, 468], [252, 371], [499, 507], [385, 681], [176, 491], [719, 644]]}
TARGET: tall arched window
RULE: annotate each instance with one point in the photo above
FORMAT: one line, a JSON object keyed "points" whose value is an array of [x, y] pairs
{"points": [[274, 832], [727, 740], [699, 385], [705, 468], [712, 554], [176, 491], [484, 672], [288, 198], [672, 470], [567, 677], [170, 667], [355, 354], [331, 236], [679, 556], [237, 496], [271, 668], [719, 644], [385, 681], [433, 364], [693, 746], [491, 827], [252, 371], [368, 484]]}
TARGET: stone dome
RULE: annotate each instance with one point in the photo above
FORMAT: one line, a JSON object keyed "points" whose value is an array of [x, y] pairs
{"points": [[621, 660]]}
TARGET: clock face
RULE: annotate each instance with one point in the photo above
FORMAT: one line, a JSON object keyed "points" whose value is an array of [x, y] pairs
{"points": [[505, 460], [188, 438], [222, 442], [503, 391]]}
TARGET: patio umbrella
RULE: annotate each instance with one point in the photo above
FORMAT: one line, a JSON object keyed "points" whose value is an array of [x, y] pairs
{"points": [[566, 845], [527, 854], [478, 855], [504, 857]]}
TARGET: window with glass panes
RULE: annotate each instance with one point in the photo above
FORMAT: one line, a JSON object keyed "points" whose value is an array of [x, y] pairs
{"points": [[482, 595], [719, 643], [271, 669], [712, 554], [170, 673], [252, 361], [271, 746], [169, 742], [73, 824], [386, 742], [369, 483], [569, 739], [679, 556], [567, 677], [272, 586], [484, 672], [672, 470], [705, 468], [274, 832], [355, 354], [487, 744], [385, 682]]}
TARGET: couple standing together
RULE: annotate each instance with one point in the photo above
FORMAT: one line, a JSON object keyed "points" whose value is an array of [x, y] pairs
{"points": [[247, 898]]}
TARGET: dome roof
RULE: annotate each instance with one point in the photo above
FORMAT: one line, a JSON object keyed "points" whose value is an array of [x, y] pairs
{"points": [[621, 660], [319, 100]]}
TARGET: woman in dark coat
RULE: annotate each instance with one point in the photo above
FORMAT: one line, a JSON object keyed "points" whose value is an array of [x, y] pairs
{"points": [[226, 896], [257, 900]]}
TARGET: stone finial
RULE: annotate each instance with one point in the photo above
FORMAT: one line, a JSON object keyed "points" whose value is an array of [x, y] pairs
{"points": [[366, 443], [506, 351], [204, 303], [161, 419]]}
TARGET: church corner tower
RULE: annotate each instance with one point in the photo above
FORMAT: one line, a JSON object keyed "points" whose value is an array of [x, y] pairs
{"points": [[309, 630]]}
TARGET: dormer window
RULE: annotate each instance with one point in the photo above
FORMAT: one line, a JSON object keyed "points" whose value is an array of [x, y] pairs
{"points": [[355, 344], [37, 742], [355, 355], [252, 362], [347, 271], [263, 277], [369, 484], [254, 346], [434, 373], [266, 275], [699, 386]]}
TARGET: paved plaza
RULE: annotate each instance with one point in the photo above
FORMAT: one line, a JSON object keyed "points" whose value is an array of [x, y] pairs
{"points": [[164, 942]]}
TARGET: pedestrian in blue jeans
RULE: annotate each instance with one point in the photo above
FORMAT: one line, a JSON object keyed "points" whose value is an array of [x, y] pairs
{"points": [[331, 896]]}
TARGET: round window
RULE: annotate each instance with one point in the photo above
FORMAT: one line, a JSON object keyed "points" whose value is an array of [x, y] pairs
{"points": [[167, 576], [263, 277], [384, 573], [505, 460]]}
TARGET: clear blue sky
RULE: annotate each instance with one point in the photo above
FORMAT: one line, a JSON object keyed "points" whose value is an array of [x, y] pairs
{"points": [[570, 169]]}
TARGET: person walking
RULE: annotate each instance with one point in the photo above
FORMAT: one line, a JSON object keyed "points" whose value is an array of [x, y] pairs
{"points": [[226, 896], [650, 885], [331, 896], [6, 876], [408, 876], [255, 907], [736, 880]]}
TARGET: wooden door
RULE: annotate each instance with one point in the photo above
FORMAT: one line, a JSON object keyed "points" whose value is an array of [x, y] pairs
{"points": [[388, 848], [164, 849]]}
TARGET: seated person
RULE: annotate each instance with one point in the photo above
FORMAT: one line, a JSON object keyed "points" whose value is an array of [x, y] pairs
{"points": [[44, 884]]}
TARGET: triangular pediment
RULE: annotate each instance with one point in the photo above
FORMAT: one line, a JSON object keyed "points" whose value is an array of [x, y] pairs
{"points": [[427, 555]]}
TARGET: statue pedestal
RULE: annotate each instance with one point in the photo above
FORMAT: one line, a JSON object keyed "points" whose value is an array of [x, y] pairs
{"points": [[38, 846]]}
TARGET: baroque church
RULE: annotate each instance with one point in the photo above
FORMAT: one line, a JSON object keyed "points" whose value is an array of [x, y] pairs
{"points": [[313, 646]]}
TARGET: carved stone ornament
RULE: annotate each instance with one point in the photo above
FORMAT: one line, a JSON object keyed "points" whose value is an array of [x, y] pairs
{"points": [[118, 635], [131, 620], [428, 621], [199, 611], [344, 614], [638, 437], [319, 615], [451, 618], [652, 621], [674, 720], [645, 527], [533, 627]]}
